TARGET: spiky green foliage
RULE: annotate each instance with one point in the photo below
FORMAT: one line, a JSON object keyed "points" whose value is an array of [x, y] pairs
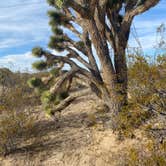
{"points": [[57, 31], [50, 100], [61, 96], [48, 111], [51, 2], [37, 52], [57, 3], [80, 44], [40, 65], [58, 42], [54, 72], [57, 18], [47, 97], [35, 82], [56, 46]]}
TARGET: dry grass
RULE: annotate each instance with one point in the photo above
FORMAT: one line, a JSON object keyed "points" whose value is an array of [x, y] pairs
{"points": [[82, 135]]}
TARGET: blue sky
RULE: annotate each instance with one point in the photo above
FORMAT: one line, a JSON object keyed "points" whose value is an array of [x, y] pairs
{"points": [[23, 27]]}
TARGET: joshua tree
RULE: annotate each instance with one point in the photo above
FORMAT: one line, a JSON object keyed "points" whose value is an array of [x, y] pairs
{"points": [[86, 30]]}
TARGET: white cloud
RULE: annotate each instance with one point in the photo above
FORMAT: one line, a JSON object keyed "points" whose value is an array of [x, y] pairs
{"points": [[18, 62], [146, 25], [147, 42], [23, 24]]}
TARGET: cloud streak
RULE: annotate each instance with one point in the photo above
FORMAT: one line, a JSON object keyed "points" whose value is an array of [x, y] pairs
{"points": [[21, 25], [18, 62]]}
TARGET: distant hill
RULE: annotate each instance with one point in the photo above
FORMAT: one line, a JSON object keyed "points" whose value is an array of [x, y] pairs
{"points": [[6, 77], [9, 78]]}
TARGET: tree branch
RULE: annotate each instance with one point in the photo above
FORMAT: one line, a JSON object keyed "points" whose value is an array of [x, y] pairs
{"points": [[73, 29], [62, 80], [78, 8], [74, 54], [146, 5], [71, 43], [69, 100], [74, 68], [88, 46], [110, 36]]}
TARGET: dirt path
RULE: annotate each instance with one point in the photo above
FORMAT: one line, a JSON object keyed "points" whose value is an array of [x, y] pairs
{"points": [[70, 141]]}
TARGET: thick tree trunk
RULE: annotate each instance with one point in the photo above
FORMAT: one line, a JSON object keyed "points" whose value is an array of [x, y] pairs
{"points": [[113, 103], [115, 93], [121, 74], [101, 47], [114, 88], [109, 98]]}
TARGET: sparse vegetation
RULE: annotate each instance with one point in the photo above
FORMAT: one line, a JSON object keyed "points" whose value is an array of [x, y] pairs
{"points": [[14, 91], [147, 94], [15, 126], [16, 101], [128, 92], [131, 118], [151, 153]]}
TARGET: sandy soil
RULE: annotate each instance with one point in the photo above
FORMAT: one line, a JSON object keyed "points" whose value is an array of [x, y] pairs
{"points": [[71, 140]]}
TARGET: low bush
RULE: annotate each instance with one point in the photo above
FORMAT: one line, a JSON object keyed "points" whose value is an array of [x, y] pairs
{"points": [[147, 95], [129, 119], [147, 83], [14, 91], [13, 127], [153, 154]]}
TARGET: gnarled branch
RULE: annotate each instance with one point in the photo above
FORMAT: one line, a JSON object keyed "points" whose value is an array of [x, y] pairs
{"points": [[65, 103]]}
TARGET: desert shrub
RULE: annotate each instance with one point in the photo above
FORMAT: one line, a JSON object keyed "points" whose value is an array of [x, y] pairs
{"points": [[15, 98], [151, 154], [18, 98], [129, 119], [13, 127], [147, 95], [147, 83], [14, 91]]}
